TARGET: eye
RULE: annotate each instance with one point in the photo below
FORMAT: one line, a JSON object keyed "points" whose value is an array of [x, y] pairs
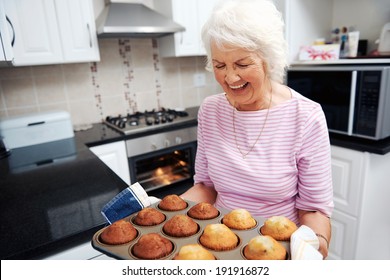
{"points": [[219, 66], [240, 65]]}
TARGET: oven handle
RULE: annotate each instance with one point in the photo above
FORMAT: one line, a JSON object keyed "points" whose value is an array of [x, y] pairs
{"points": [[352, 102]]}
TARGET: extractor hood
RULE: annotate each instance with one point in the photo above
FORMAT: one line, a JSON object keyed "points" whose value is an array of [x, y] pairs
{"points": [[133, 20]]}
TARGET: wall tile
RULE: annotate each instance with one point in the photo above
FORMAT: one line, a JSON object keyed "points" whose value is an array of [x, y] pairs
{"points": [[19, 93], [50, 89], [146, 100], [84, 112], [79, 86], [131, 76], [15, 72]]}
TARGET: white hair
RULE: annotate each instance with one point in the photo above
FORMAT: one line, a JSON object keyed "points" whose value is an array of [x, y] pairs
{"points": [[254, 25]]}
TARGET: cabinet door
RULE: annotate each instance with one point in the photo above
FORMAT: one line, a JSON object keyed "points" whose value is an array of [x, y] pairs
{"points": [[348, 174], [191, 14], [77, 30], [115, 157], [205, 8], [6, 53], [36, 32], [343, 241]]}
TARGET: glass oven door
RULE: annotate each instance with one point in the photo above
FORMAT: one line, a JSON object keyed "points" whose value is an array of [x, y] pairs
{"points": [[168, 168]]}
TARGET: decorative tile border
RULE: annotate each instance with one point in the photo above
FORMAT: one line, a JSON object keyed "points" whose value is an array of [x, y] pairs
{"points": [[125, 53]]}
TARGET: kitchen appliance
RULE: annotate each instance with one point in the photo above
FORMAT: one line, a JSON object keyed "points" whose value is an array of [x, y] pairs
{"points": [[355, 99], [148, 120], [163, 163], [120, 20], [384, 40], [38, 128], [161, 147]]}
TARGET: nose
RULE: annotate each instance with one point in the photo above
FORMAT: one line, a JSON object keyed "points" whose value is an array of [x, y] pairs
{"points": [[231, 76]]}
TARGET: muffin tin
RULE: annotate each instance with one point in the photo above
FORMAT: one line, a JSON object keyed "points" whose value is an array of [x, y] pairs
{"points": [[124, 251]]}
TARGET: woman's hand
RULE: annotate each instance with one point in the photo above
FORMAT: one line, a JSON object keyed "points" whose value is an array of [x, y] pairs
{"points": [[200, 193]]}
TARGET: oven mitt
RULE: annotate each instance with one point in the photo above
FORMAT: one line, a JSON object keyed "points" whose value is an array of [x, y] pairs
{"points": [[130, 200], [304, 244]]}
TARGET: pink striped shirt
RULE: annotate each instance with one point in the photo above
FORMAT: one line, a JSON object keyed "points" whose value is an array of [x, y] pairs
{"points": [[288, 169]]}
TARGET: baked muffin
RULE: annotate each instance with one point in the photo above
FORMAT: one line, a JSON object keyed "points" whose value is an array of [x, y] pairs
{"points": [[264, 247], [193, 252], [239, 219], [119, 232], [279, 227], [218, 237], [180, 226], [152, 246], [203, 211], [149, 217], [172, 202]]}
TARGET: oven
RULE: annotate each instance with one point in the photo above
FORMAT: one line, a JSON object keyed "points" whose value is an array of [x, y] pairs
{"points": [[161, 148], [163, 163]]}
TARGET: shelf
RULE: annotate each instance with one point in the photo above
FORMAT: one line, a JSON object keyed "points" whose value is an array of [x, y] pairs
{"points": [[344, 61]]}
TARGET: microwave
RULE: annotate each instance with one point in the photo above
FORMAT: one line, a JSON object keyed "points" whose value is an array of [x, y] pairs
{"points": [[354, 98]]}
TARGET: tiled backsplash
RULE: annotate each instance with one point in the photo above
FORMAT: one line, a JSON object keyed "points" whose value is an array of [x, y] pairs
{"points": [[131, 76]]}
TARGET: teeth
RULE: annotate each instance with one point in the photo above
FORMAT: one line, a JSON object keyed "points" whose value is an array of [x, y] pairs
{"points": [[236, 87]]}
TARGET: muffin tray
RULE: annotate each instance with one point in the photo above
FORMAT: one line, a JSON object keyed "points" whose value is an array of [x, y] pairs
{"points": [[124, 251]]}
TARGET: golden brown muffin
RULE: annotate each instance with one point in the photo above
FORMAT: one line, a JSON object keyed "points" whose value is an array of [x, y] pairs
{"points": [[264, 247], [203, 211], [149, 217], [279, 227], [218, 237], [239, 219], [193, 252], [180, 226], [152, 246], [119, 232], [172, 202]]}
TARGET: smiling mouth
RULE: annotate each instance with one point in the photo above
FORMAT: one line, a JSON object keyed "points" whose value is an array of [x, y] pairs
{"points": [[239, 86]]}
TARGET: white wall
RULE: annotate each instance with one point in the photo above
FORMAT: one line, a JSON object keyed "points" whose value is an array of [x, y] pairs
{"points": [[368, 16]]}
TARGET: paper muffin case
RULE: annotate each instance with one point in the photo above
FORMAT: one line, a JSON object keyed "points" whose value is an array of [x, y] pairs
{"points": [[124, 251]]}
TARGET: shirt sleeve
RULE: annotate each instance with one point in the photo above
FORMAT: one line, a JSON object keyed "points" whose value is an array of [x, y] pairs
{"points": [[315, 189]]}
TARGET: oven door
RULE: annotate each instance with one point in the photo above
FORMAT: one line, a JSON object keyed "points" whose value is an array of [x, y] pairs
{"points": [[166, 171]]}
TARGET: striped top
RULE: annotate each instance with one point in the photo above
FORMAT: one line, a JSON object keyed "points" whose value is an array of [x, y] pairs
{"points": [[288, 169]]}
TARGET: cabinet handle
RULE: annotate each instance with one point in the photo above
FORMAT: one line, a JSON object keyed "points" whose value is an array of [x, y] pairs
{"points": [[13, 31], [90, 35]]}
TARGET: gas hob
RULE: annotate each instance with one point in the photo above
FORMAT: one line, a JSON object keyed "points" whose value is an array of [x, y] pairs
{"points": [[147, 120]]}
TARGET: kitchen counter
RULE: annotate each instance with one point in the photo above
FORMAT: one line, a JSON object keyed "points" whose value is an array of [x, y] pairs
{"points": [[55, 205], [48, 206], [380, 147]]}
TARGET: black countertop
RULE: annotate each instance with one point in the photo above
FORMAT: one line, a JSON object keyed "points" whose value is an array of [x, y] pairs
{"points": [[49, 207]]}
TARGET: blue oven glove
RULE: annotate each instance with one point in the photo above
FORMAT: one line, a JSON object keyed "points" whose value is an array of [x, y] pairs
{"points": [[127, 202]]}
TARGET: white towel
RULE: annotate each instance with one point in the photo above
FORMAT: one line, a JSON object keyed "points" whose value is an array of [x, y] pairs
{"points": [[304, 244]]}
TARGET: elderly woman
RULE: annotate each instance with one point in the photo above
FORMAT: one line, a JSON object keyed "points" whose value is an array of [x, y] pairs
{"points": [[261, 145]]}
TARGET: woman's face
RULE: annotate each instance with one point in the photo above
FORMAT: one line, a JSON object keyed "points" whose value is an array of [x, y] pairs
{"points": [[241, 74]]}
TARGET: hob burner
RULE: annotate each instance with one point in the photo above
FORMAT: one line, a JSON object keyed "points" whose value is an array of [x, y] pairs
{"points": [[139, 121]]}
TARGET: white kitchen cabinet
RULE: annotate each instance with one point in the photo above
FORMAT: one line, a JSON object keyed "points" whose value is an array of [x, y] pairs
{"points": [[52, 31], [78, 31], [361, 219], [6, 53], [191, 14], [115, 157]]}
